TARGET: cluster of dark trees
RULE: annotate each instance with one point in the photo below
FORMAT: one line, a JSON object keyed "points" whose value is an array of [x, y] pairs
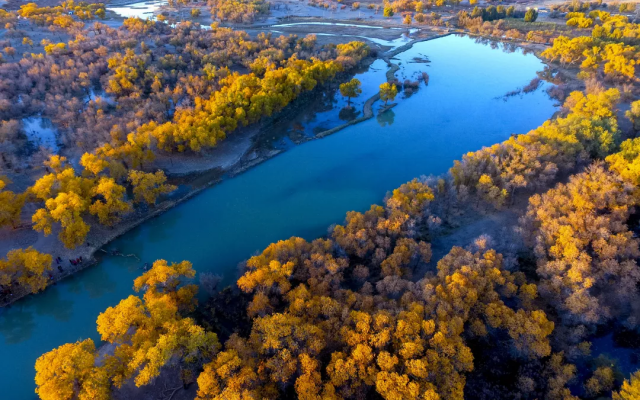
{"points": [[492, 13]]}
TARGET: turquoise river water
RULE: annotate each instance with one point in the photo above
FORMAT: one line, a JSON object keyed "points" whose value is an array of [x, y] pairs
{"points": [[300, 192]]}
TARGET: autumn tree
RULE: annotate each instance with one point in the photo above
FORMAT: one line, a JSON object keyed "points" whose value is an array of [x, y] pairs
{"points": [[630, 388], [150, 332], [388, 91], [147, 333], [532, 160], [393, 337], [10, 204], [585, 250], [148, 186], [350, 89], [232, 374], [489, 192], [601, 381], [596, 52], [70, 372], [110, 204], [626, 162], [531, 15], [634, 115], [66, 198], [26, 268]]}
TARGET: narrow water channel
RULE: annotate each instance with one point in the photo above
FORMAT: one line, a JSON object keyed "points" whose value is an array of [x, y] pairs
{"points": [[300, 192]]}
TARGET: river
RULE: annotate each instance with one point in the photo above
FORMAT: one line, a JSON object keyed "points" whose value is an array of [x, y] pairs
{"points": [[300, 192]]}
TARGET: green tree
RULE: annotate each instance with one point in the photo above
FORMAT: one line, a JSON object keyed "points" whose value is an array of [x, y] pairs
{"points": [[531, 15]]}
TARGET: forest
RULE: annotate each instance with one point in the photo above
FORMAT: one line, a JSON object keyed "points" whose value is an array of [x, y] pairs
{"points": [[367, 310], [187, 89], [355, 313]]}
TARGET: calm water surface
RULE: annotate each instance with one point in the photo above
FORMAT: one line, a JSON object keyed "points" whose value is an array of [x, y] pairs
{"points": [[41, 132], [143, 9], [300, 192]]}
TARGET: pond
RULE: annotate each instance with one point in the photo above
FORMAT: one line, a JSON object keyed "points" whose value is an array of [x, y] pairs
{"points": [[300, 192], [143, 9], [41, 133]]}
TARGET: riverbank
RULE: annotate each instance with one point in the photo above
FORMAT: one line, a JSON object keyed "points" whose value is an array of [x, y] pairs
{"points": [[301, 192], [235, 155]]}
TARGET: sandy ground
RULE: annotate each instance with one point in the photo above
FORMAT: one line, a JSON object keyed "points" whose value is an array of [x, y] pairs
{"points": [[224, 156]]}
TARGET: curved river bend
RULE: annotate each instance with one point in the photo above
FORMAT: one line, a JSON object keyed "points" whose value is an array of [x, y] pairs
{"points": [[300, 192]]}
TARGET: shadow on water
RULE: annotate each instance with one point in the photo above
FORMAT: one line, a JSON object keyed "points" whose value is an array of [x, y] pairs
{"points": [[16, 327], [349, 114], [324, 179], [386, 118], [101, 283], [54, 305], [322, 110], [165, 230]]}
